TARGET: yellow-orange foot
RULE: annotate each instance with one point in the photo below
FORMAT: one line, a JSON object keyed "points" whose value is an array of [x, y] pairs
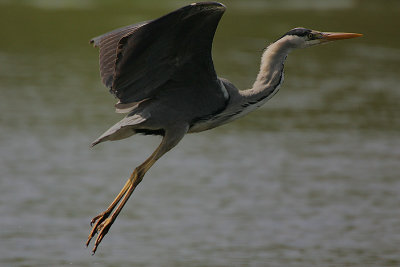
{"points": [[98, 224], [102, 231]]}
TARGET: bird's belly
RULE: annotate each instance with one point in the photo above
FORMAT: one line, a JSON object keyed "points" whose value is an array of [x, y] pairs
{"points": [[202, 126], [215, 121], [226, 116]]}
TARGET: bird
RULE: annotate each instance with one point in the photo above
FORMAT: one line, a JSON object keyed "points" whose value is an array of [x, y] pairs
{"points": [[162, 73]]}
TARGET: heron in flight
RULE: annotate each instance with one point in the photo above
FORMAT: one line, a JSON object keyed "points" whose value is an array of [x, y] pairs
{"points": [[163, 75]]}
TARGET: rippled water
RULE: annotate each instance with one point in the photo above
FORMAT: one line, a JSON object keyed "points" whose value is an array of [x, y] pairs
{"points": [[310, 179]]}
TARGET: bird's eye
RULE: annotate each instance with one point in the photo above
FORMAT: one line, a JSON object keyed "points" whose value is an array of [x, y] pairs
{"points": [[310, 36]]}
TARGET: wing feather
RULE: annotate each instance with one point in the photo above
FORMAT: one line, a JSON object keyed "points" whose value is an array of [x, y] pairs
{"points": [[108, 44], [137, 60]]}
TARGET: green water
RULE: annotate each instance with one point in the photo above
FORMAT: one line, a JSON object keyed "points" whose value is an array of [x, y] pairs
{"points": [[310, 179]]}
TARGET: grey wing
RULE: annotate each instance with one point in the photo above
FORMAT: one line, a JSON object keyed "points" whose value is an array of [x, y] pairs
{"points": [[108, 44], [138, 60]]}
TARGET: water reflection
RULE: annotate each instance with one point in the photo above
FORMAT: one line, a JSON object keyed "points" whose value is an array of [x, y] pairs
{"points": [[312, 178]]}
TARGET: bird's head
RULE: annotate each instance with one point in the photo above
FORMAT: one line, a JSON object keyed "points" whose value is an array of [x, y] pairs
{"points": [[301, 37]]}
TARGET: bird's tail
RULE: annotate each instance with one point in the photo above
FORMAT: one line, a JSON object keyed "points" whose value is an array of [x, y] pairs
{"points": [[122, 129]]}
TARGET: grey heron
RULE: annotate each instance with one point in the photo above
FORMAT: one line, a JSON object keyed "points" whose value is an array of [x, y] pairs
{"points": [[163, 75]]}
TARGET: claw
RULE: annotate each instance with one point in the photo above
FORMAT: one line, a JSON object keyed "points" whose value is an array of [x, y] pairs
{"points": [[92, 233], [103, 230], [98, 222], [96, 218]]}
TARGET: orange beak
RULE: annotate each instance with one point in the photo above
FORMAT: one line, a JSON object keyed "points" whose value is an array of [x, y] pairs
{"points": [[333, 36]]}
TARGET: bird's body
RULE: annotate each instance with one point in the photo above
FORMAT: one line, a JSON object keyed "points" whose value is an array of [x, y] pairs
{"points": [[233, 104], [163, 75]]}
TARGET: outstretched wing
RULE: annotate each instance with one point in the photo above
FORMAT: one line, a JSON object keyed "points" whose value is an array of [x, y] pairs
{"points": [[137, 60], [108, 44]]}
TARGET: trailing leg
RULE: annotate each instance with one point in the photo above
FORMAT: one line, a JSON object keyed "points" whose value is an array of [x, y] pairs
{"points": [[104, 220]]}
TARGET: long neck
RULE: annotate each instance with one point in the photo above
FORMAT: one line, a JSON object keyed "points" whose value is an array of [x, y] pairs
{"points": [[271, 73], [266, 85]]}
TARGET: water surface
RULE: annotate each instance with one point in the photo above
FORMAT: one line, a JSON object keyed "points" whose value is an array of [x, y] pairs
{"points": [[310, 179]]}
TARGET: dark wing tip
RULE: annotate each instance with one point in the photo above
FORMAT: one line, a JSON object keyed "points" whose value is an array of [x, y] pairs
{"points": [[95, 41], [209, 4]]}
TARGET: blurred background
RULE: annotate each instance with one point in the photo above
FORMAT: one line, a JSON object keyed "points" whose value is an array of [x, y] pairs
{"points": [[310, 179]]}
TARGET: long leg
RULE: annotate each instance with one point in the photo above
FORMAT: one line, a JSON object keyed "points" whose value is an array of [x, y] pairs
{"points": [[104, 222], [104, 215]]}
